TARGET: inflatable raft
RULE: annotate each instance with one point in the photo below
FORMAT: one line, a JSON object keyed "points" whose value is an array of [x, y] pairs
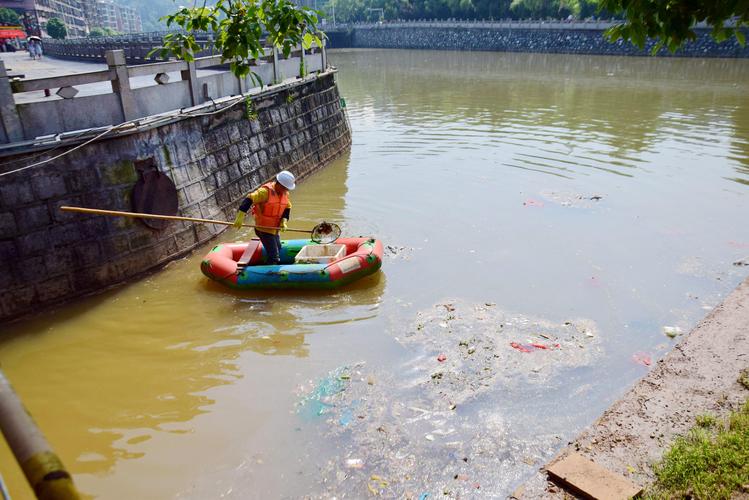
{"points": [[304, 264]]}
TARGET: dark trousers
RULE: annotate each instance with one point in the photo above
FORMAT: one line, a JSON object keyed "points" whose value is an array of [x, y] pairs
{"points": [[272, 245]]}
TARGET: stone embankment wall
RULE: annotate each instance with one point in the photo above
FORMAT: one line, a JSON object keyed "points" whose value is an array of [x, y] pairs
{"points": [[48, 256], [556, 38]]}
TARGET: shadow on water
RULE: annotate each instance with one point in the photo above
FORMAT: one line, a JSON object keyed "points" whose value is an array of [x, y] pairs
{"points": [[109, 376]]}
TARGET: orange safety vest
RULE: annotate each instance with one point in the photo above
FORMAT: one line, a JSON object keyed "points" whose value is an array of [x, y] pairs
{"points": [[269, 214]]}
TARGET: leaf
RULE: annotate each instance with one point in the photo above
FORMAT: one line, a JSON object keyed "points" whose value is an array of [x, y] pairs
{"points": [[740, 37], [308, 39]]}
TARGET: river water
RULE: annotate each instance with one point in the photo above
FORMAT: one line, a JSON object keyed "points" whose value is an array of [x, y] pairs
{"points": [[533, 193]]}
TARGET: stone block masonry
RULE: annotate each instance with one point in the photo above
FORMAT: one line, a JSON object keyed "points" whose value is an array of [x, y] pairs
{"points": [[49, 256], [553, 38]]}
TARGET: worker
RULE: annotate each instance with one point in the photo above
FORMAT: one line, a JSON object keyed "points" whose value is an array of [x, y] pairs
{"points": [[271, 208]]}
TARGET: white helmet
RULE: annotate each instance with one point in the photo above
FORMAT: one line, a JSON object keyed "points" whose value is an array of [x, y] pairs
{"points": [[286, 179]]}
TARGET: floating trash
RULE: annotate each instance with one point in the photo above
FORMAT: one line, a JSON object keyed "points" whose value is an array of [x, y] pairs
{"points": [[322, 398], [530, 202], [642, 358], [354, 463], [427, 422], [672, 331]]}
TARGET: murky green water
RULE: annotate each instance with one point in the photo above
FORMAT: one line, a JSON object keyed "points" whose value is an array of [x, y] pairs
{"points": [[555, 187]]}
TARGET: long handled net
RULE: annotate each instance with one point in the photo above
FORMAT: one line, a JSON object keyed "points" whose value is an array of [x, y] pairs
{"points": [[326, 232]]}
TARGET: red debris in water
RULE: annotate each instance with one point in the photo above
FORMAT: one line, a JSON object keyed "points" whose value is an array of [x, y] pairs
{"points": [[519, 347], [441, 358], [642, 358], [531, 347], [738, 244], [530, 202]]}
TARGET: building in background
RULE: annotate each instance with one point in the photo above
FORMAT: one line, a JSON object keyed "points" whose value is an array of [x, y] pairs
{"points": [[131, 22], [79, 16], [36, 13], [107, 14]]}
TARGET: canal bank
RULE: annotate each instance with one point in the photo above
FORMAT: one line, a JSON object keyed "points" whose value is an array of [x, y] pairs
{"points": [[700, 376], [547, 37], [163, 148]]}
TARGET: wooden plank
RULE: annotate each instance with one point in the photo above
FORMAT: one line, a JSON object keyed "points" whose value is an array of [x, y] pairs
{"points": [[246, 257], [62, 81], [584, 476]]}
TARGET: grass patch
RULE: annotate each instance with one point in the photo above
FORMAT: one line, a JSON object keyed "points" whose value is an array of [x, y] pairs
{"points": [[744, 378], [706, 421], [711, 462]]}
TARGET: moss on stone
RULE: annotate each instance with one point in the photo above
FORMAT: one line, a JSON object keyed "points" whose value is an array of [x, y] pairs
{"points": [[167, 155], [122, 172]]}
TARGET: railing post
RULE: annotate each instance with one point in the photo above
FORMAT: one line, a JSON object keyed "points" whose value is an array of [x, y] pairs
{"points": [[242, 84], [275, 65], [190, 75], [8, 111], [302, 65], [324, 56], [121, 83]]}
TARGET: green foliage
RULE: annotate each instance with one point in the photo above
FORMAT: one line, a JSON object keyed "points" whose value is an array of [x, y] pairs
{"points": [[249, 109], [358, 10], [706, 464], [56, 28], [8, 16], [672, 22], [97, 31], [706, 421], [240, 27]]}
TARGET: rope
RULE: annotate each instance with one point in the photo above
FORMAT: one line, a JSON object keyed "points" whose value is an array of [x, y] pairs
{"points": [[20, 169], [236, 100]]}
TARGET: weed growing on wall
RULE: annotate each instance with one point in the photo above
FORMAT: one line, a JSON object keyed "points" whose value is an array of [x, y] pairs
{"points": [[249, 109]]}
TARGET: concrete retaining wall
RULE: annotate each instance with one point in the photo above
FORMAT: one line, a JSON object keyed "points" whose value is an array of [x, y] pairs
{"points": [[48, 256], [561, 38]]}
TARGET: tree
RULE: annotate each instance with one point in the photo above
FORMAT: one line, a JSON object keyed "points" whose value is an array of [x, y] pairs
{"points": [[56, 29], [239, 27], [97, 31], [672, 22], [8, 16]]}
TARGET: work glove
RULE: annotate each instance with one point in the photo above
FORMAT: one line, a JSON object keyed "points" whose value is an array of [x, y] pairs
{"points": [[239, 220], [284, 225]]}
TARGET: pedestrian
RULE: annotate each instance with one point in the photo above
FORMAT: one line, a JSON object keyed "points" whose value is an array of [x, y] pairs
{"points": [[35, 48], [271, 209]]}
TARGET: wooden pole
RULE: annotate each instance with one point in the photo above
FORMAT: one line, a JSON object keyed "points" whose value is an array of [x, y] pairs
{"points": [[44, 471], [136, 215]]}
